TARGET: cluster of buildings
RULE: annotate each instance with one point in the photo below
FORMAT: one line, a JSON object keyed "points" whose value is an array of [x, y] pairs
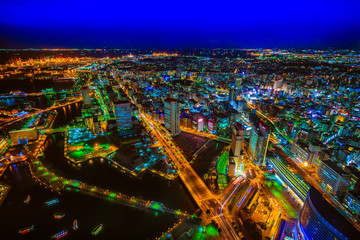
{"points": [[305, 101]]}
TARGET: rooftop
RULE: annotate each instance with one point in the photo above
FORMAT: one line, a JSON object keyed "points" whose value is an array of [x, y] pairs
{"points": [[335, 167], [331, 215]]}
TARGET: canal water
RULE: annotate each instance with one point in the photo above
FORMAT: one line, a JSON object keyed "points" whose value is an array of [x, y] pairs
{"points": [[119, 221]]}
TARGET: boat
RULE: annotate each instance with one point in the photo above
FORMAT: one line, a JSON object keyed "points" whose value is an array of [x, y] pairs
{"points": [[27, 200], [52, 202], [75, 224], [59, 215], [26, 230], [60, 234], [97, 230]]}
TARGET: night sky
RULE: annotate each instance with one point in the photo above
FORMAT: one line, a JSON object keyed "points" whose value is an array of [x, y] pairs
{"points": [[179, 24]]}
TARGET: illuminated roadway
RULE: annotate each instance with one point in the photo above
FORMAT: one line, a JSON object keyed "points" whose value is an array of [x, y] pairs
{"points": [[197, 188], [204, 134], [74, 100]]}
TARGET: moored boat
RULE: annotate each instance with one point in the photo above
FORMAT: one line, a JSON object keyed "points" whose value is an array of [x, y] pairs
{"points": [[97, 230], [26, 230], [75, 224], [27, 200], [59, 215], [60, 234]]}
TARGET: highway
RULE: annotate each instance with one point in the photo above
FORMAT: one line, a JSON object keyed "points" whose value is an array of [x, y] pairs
{"points": [[207, 135], [197, 188]]}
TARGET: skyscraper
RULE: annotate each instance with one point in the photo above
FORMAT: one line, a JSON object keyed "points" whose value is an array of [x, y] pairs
{"points": [[85, 92], [172, 118], [232, 94], [262, 144], [259, 141], [123, 115], [333, 178], [237, 141]]}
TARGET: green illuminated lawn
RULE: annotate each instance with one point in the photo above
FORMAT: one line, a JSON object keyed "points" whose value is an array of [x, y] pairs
{"points": [[279, 193]]}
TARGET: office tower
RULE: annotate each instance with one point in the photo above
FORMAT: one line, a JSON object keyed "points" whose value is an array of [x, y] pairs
{"points": [[200, 123], [289, 128], [319, 220], [306, 152], [232, 167], [85, 92], [237, 142], [253, 142], [172, 118], [278, 84], [354, 177], [262, 144], [123, 115], [333, 178], [314, 150], [232, 94], [239, 77]]}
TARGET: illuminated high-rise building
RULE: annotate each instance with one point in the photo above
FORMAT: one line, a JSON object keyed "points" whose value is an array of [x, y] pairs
{"points": [[333, 178], [262, 144], [237, 142], [232, 94], [319, 220], [123, 115], [253, 142], [172, 116], [85, 92], [238, 77], [259, 141]]}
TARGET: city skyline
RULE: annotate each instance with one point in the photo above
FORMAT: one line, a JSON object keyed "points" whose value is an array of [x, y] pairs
{"points": [[220, 144], [196, 120]]}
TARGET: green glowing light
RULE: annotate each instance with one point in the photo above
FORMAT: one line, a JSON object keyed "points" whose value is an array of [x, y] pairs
{"points": [[54, 179], [112, 195], [40, 168], [75, 183], [212, 231], [156, 205]]}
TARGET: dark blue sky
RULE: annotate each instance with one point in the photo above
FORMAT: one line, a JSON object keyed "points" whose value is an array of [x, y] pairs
{"points": [[179, 24]]}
